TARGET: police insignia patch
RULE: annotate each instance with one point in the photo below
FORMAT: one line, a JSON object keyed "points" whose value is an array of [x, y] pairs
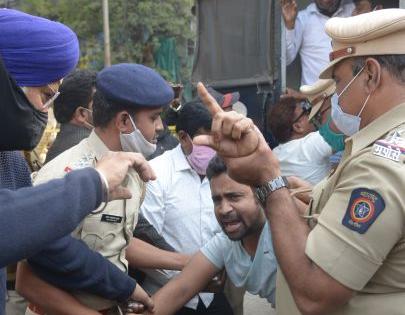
{"points": [[364, 207], [86, 161]]}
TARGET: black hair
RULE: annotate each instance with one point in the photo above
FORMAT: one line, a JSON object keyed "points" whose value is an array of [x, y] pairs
{"points": [[104, 111], [193, 117], [76, 91], [216, 167], [394, 64], [169, 116]]}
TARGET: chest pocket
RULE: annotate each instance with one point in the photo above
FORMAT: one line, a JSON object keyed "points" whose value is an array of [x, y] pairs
{"points": [[105, 232]]}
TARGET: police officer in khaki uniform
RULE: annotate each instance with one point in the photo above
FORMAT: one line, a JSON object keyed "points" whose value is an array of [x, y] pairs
{"points": [[126, 111], [317, 95], [353, 260]]}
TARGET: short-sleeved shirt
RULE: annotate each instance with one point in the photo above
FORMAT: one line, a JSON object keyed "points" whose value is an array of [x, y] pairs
{"points": [[256, 274], [307, 158], [359, 238]]}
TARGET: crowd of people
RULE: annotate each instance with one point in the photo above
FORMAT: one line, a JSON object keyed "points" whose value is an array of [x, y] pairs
{"points": [[128, 217]]}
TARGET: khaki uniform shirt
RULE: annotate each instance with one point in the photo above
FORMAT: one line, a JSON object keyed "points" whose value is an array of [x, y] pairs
{"points": [[359, 238], [108, 232]]}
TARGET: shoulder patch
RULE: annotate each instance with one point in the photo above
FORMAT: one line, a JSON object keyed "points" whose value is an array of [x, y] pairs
{"points": [[392, 147], [364, 207]]}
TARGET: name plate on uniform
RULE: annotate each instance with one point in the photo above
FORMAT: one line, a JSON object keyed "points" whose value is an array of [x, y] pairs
{"points": [[391, 148], [109, 218]]}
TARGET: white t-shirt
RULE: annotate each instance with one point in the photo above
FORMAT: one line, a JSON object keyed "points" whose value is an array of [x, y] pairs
{"points": [[257, 274], [307, 158]]}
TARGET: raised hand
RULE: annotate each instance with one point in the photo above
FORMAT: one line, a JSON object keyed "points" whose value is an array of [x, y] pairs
{"points": [[232, 134], [235, 138], [289, 11]]}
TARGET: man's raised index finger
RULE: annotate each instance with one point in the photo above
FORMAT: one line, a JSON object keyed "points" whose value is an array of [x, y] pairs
{"points": [[208, 100]]}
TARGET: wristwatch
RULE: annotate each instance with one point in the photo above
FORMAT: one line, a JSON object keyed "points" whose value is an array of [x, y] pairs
{"points": [[264, 190]]}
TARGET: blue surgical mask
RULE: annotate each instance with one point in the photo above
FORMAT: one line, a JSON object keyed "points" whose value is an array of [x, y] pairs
{"points": [[346, 123], [335, 140]]}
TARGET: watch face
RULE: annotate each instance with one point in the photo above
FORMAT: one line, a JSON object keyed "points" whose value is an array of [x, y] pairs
{"points": [[263, 191]]}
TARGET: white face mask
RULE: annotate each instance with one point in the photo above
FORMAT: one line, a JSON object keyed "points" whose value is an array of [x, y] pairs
{"points": [[136, 142], [346, 123], [86, 123]]}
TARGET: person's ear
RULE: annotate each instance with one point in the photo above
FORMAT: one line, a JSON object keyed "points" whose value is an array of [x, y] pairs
{"points": [[183, 136], [122, 122], [185, 141], [373, 70], [80, 115]]}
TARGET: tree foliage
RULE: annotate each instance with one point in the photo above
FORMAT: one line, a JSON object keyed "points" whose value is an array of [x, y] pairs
{"points": [[136, 27]]}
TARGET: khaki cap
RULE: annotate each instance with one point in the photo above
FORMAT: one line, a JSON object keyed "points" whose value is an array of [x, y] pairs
{"points": [[317, 93], [379, 32]]}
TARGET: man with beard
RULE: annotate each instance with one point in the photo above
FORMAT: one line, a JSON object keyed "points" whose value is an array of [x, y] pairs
{"points": [[351, 261], [305, 33], [244, 248], [179, 206]]}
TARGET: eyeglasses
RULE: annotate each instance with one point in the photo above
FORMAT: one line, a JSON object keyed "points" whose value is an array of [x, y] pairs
{"points": [[317, 119], [49, 102], [306, 109]]}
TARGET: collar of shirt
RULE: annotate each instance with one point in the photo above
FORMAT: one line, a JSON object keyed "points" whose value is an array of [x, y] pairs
{"points": [[313, 9], [376, 129], [97, 145], [264, 244], [180, 161]]}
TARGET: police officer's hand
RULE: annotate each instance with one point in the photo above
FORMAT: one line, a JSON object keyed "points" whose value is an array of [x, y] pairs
{"points": [[115, 165], [289, 10], [242, 146]]}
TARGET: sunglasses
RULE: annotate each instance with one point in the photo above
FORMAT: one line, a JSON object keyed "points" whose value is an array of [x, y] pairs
{"points": [[306, 109], [317, 119]]}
